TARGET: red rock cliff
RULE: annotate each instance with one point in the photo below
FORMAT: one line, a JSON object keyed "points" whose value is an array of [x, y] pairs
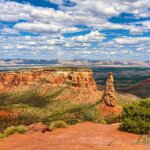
{"points": [[79, 80]]}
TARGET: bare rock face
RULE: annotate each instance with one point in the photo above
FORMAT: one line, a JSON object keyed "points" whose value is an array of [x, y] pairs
{"points": [[82, 86], [109, 95], [79, 79]]}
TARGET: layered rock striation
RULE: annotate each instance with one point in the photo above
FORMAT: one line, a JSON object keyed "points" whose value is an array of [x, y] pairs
{"points": [[79, 78]]}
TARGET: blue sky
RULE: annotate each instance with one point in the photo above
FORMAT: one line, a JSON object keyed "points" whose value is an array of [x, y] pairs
{"points": [[75, 29]]}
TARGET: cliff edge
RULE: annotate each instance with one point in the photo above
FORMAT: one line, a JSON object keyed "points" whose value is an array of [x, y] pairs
{"points": [[79, 81]]}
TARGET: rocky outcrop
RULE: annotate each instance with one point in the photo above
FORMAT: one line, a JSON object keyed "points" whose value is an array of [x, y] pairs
{"points": [[106, 112], [110, 108], [109, 94], [79, 78], [37, 127]]}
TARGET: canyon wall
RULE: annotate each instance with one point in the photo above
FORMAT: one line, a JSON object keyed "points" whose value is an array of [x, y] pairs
{"points": [[80, 81]]}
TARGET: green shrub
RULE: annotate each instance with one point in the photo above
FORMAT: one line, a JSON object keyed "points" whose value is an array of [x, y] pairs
{"points": [[103, 121], [90, 114], [136, 117], [10, 130], [58, 124], [15, 129], [21, 129], [2, 135]]}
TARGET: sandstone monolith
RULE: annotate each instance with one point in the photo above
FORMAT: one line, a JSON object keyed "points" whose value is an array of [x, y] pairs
{"points": [[109, 94]]}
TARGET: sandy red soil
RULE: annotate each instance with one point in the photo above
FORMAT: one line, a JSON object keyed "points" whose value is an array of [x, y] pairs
{"points": [[85, 136]]}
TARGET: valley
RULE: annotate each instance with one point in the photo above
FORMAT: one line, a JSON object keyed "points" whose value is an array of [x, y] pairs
{"points": [[40, 97], [74, 74]]}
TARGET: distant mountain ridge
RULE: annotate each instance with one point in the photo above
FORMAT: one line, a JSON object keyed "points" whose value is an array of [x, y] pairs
{"points": [[27, 61], [76, 62], [97, 63]]}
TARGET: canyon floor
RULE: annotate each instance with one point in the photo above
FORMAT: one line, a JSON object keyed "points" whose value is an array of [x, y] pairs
{"points": [[84, 136]]}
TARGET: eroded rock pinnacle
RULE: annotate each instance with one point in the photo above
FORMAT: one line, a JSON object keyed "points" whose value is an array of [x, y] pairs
{"points": [[109, 94]]}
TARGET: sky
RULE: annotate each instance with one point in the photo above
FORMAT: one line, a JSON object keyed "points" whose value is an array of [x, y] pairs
{"points": [[75, 29]]}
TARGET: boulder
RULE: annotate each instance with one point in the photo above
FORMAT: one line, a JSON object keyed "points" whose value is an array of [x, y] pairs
{"points": [[37, 127]]}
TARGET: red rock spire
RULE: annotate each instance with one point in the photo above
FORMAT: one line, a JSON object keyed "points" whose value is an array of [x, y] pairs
{"points": [[109, 94]]}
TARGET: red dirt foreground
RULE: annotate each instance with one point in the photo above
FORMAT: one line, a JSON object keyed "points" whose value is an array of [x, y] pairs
{"points": [[84, 136]]}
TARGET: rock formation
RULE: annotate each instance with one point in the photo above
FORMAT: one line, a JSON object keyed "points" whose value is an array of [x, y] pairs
{"points": [[80, 82], [37, 127], [109, 94], [79, 78]]}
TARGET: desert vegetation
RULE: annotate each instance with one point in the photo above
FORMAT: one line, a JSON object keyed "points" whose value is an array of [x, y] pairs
{"points": [[28, 106], [13, 130], [136, 117], [40, 102], [58, 124]]}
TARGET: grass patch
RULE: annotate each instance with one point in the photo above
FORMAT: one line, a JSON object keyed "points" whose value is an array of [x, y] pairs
{"points": [[10, 130], [46, 107], [21, 129], [144, 139], [58, 124], [2, 135], [124, 98], [3, 97], [15, 129], [35, 106]]}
